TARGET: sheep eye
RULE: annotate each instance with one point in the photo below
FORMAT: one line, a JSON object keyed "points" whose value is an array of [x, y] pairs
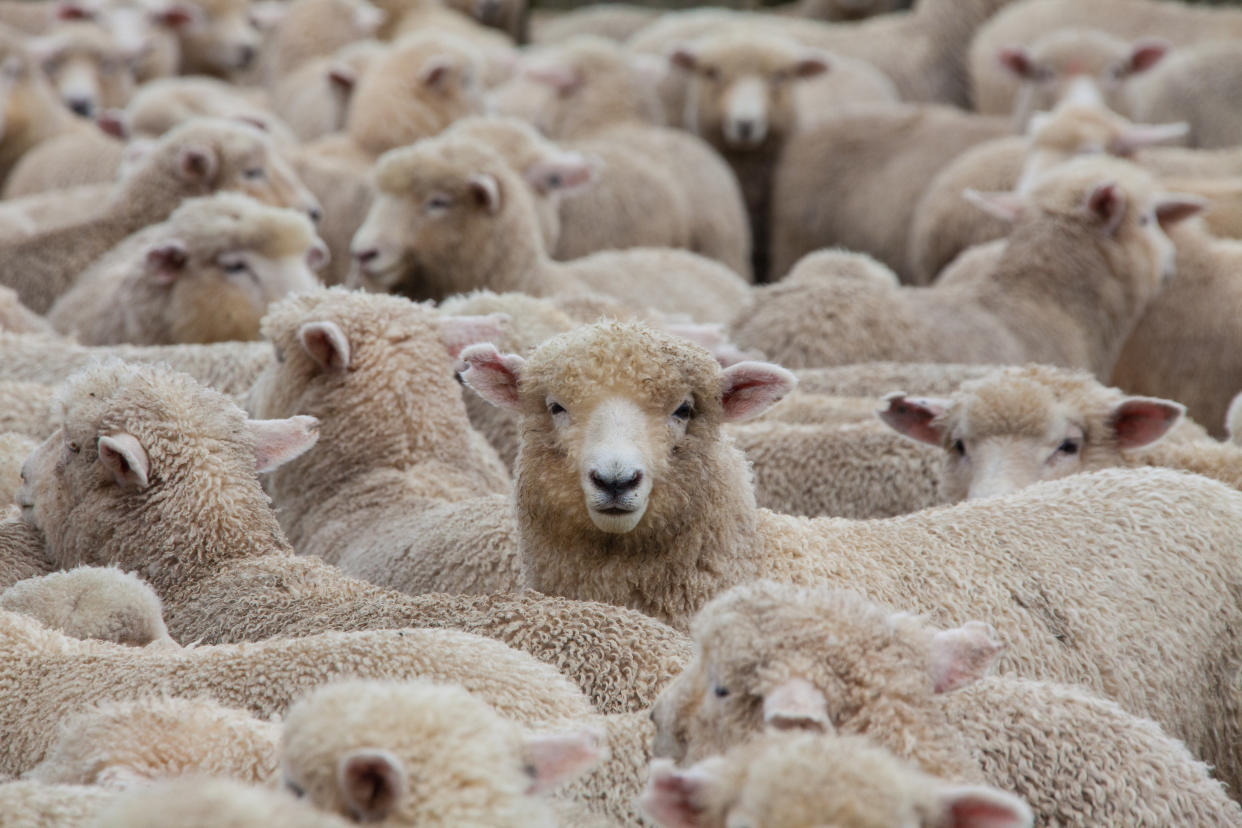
{"points": [[720, 691], [1144, 221], [253, 173], [437, 203], [711, 73], [684, 411], [1068, 447], [959, 447], [75, 448], [555, 408], [234, 267], [295, 789]]}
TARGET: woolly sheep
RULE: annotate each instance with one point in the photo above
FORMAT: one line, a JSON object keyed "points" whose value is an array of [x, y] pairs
{"points": [[823, 660], [403, 247], [92, 602], [314, 99], [212, 803], [399, 471], [73, 159], [655, 511], [34, 805], [224, 42], [1099, 219], [197, 158], [88, 68], [164, 104], [228, 574], [312, 29], [65, 675], [418, 753], [788, 780], [22, 553], [14, 449], [206, 274]]}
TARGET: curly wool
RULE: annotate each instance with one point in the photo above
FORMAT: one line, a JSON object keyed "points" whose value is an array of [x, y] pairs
{"points": [[102, 603]]}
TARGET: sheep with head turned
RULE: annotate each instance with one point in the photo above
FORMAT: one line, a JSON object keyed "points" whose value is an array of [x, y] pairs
{"points": [[206, 274], [789, 780], [782, 657], [143, 449], [401, 491], [627, 492], [453, 183]]}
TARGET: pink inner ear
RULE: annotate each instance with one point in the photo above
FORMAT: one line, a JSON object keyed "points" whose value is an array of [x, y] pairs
{"points": [[460, 332], [750, 388], [1140, 422], [1015, 59], [914, 417], [1173, 210], [963, 655], [981, 811], [1108, 204], [670, 796], [558, 758], [1147, 54], [494, 376]]}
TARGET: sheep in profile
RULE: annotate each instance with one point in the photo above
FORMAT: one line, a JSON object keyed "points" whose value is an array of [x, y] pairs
{"points": [[92, 602], [206, 274], [628, 492], [790, 780], [88, 68], [788, 658], [224, 42], [418, 753]]}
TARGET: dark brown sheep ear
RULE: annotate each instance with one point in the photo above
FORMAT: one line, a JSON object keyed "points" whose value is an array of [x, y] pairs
{"points": [[372, 782], [914, 417]]}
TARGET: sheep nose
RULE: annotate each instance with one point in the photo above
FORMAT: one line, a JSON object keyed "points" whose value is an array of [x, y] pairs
{"points": [[367, 256], [745, 129], [82, 106], [245, 57], [616, 486], [315, 213]]}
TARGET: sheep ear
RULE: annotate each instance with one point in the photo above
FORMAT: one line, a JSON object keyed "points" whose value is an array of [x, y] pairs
{"points": [[1001, 205], [1136, 136], [914, 417], [1017, 60], [553, 760], [343, 77], [197, 164], [318, 255], [796, 705], [327, 345], [683, 57], [435, 72], [748, 388], [963, 655], [459, 332], [112, 122], [1141, 421], [1108, 204], [486, 191], [166, 260], [123, 456], [495, 377], [811, 66], [177, 16], [673, 797], [1147, 53], [371, 783], [73, 11], [562, 173], [977, 806], [1175, 207], [276, 442]]}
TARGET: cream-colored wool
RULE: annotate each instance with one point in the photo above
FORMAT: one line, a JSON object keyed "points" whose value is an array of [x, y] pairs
{"points": [[74, 159], [22, 553], [1019, 426], [854, 181], [102, 603], [313, 29], [1193, 85], [875, 379], [830, 661], [403, 245], [87, 67], [65, 675], [1065, 607], [131, 743], [593, 95], [791, 780], [344, 188], [611, 21], [423, 754], [401, 491], [225, 41], [509, 16], [164, 104], [228, 367], [1086, 256], [34, 805], [205, 274], [17, 318], [23, 217], [197, 158], [227, 573], [212, 803], [314, 99], [14, 449]]}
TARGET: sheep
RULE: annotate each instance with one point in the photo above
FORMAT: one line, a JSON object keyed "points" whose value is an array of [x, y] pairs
{"points": [[418, 753], [1100, 219], [17, 318], [313, 100], [825, 660], [86, 66], [65, 676], [92, 602], [208, 803], [1021, 425], [224, 42], [22, 553], [228, 574], [748, 94], [33, 805], [377, 372], [313, 29], [626, 492], [197, 158], [73, 159], [164, 104], [593, 94], [874, 162], [496, 242], [794, 779], [611, 21], [14, 449], [127, 744], [205, 274], [875, 379]]}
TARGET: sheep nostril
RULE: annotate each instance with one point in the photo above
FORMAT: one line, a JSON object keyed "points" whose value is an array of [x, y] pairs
{"points": [[82, 106], [616, 486]]}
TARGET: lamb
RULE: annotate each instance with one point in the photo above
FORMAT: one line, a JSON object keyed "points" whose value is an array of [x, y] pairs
{"points": [[419, 753], [53, 676], [496, 244], [793, 779], [228, 574], [824, 660], [747, 95], [92, 602], [312, 29], [1021, 425], [14, 449], [655, 511], [197, 158], [205, 274], [1100, 220], [854, 181], [208, 803], [401, 492]]}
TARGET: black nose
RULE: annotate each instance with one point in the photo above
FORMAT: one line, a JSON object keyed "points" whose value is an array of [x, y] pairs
{"points": [[82, 106], [616, 487], [315, 214], [245, 57], [745, 128]]}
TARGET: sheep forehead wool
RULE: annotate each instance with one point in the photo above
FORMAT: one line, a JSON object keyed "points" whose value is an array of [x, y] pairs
{"points": [[1064, 190], [436, 164], [735, 52], [233, 221], [1075, 128], [1079, 51], [79, 39], [1034, 401], [212, 803]]}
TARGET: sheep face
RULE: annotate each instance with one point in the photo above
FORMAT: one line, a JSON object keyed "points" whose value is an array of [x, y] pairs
{"points": [[618, 420], [1079, 65], [741, 94], [225, 41], [779, 657], [89, 70], [1021, 426]]}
